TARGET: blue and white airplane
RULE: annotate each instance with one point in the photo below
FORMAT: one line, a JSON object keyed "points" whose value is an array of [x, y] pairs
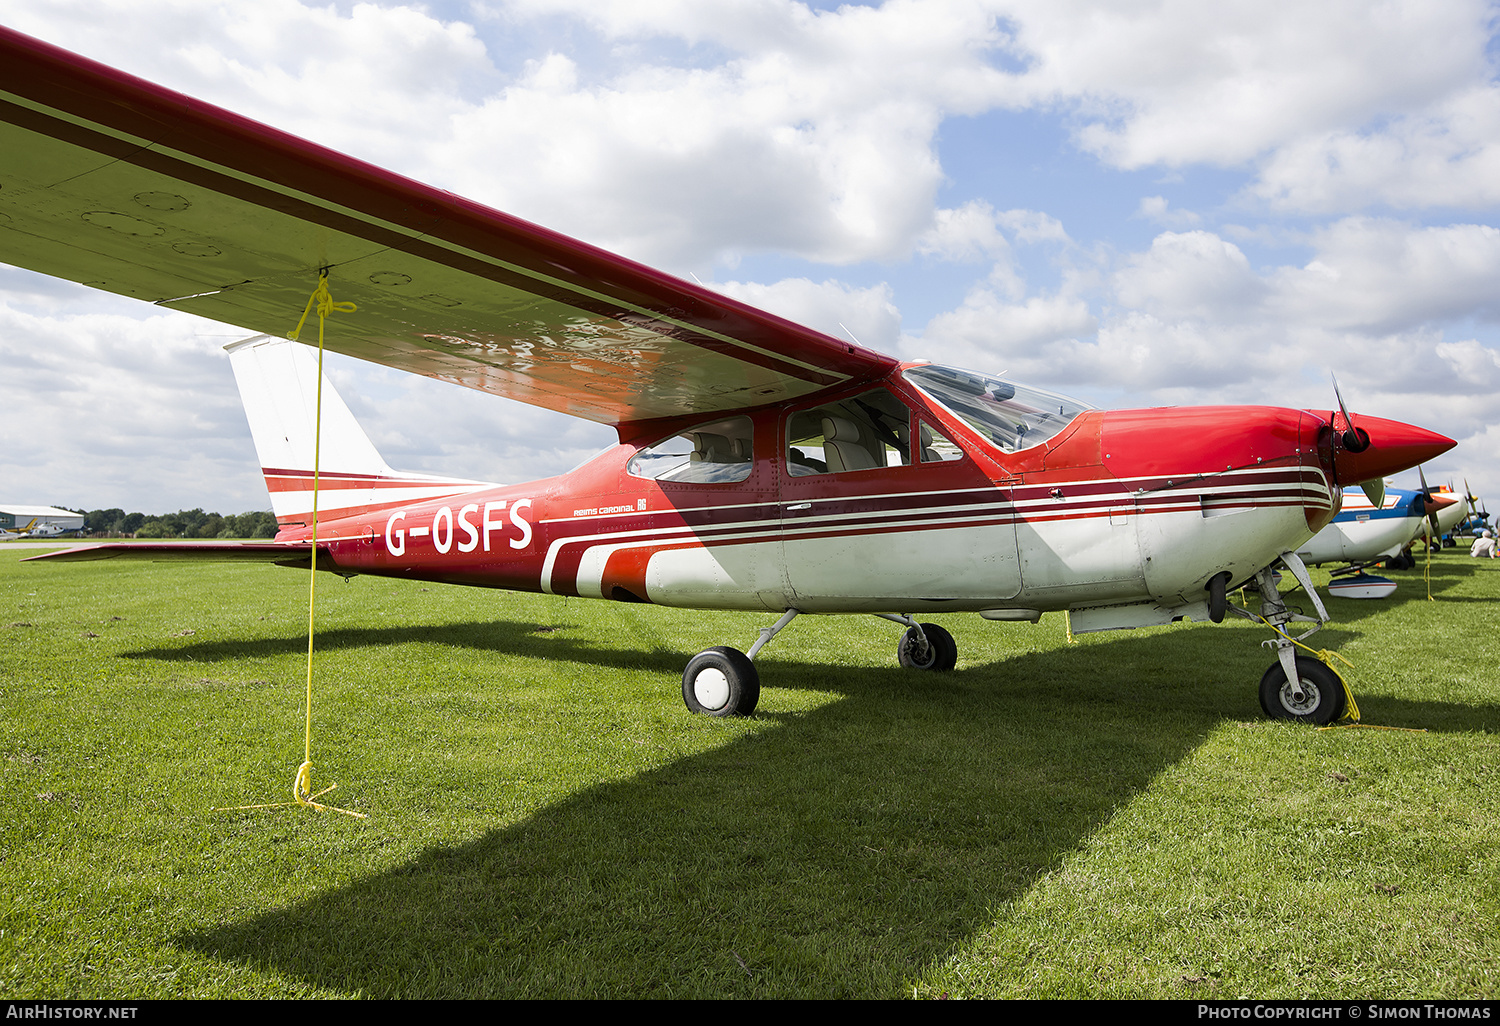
{"points": [[1363, 534]]}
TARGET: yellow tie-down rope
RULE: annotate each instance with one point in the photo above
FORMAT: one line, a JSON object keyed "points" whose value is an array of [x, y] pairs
{"points": [[1351, 709], [1428, 573], [302, 792]]}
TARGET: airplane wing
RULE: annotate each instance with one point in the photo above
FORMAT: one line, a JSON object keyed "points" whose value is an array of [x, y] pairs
{"points": [[119, 184], [280, 553]]}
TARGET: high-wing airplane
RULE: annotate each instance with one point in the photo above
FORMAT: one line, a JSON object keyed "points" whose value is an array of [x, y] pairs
{"points": [[761, 465], [1362, 534]]}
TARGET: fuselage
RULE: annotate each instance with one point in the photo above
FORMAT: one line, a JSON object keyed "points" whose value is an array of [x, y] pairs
{"points": [[884, 499]]}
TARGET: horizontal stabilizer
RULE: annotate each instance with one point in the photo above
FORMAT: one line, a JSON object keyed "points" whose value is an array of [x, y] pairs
{"points": [[282, 554]]}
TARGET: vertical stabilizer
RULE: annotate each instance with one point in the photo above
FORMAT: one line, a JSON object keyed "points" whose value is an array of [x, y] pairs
{"points": [[278, 382]]}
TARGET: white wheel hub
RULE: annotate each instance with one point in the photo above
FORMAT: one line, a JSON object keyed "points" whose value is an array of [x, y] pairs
{"points": [[711, 688], [1301, 699]]}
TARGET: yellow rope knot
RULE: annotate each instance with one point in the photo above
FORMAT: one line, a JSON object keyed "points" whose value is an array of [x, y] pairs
{"points": [[302, 785], [303, 793], [322, 299]]}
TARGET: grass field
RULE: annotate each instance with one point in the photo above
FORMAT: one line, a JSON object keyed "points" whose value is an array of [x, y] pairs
{"points": [[1111, 818]]}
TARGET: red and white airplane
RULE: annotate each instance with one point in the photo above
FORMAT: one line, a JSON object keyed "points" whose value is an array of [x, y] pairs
{"points": [[761, 465]]}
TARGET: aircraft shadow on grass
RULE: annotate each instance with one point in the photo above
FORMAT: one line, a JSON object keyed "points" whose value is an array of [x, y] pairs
{"points": [[745, 871], [521, 638]]}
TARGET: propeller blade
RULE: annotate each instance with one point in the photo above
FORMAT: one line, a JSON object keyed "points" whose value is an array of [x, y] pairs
{"points": [[1354, 440], [1374, 489], [1429, 505]]}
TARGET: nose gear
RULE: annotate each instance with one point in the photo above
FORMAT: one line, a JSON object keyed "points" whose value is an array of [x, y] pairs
{"points": [[1294, 687]]}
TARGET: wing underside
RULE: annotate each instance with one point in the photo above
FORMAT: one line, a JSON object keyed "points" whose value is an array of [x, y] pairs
{"points": [[116, 183]]}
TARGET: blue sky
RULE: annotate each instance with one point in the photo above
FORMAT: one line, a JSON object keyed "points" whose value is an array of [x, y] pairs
{"points": [[1140, 204]]}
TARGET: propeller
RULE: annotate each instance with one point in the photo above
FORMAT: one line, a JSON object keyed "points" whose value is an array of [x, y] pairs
{"points": [[1429, 505], [1355, 440], [1477, 510], [1367, 453]]}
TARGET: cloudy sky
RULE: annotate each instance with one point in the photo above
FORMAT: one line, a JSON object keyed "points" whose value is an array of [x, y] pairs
{"points": [[1139, 203]]}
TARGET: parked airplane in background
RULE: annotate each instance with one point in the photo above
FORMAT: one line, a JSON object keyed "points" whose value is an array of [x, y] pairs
{"points": [[1362, 535], [48, 531], [1449, 514], [761, 465], [36, 528], [19, 532]]}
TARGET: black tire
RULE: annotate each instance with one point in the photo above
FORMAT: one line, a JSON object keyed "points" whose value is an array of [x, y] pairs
{"points": [[1320, 699], [942, 650], [721, 682], [1218, 596]]}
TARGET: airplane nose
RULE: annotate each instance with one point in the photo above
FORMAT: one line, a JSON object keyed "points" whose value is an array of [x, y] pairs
{"points": [[1393, 447]]}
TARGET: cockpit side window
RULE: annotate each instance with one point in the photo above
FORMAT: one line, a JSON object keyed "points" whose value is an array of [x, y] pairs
{"points": [[720, 452], [867, 432], [935, 446]]}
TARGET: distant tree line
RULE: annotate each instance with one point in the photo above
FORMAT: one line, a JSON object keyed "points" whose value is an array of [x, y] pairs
{"points": [[185, 523]]}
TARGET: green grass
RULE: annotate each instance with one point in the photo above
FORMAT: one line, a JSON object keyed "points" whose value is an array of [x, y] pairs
{"points": [[1111, 818]]}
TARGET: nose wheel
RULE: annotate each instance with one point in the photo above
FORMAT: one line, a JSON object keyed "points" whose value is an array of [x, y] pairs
{"points": [[1317, 696], [1295, 687]]}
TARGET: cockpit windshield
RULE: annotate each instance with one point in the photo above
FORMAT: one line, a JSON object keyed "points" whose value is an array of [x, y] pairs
{"points": [[1012, 417]]}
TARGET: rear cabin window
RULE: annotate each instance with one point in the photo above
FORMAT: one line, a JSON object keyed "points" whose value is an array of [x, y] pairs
{"points": [[864, 433], [720, 452]]}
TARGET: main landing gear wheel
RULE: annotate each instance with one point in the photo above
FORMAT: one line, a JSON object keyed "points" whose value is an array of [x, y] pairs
{"points": [[1218, 596], [721, 682], [1318, 697], [941, 650]]}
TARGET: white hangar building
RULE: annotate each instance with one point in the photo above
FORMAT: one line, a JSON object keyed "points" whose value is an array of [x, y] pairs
{"points": [[15, 517]]}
